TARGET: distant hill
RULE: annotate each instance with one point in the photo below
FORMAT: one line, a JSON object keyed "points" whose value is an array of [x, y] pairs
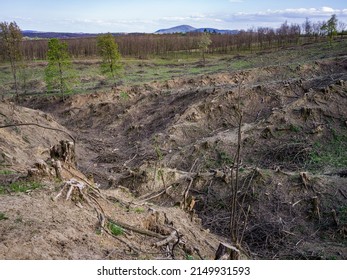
{"points": [[176, 29], [188, 28], [66, 35], [60, 35]]}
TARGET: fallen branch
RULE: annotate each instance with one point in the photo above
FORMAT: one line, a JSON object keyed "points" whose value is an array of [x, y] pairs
{"points": [[167, 240], [135, 229], [156, 195], [304, 179], [97, 190], [71, 184], [198, 252], [295, 203], [315, 206], [102, 220], [136, 251], [186, 191], [343, 194]]}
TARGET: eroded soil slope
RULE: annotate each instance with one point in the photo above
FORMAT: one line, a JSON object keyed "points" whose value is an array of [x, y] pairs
{"points": [[165, 143], [46, 216]]}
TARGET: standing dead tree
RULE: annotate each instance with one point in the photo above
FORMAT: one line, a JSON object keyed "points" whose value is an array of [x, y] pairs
{"points": [[238, 217]]}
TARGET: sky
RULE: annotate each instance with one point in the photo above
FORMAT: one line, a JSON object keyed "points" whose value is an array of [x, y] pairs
{"points": [[101, 16]]}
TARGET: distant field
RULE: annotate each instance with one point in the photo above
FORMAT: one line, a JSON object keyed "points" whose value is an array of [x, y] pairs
{"points": [[136, 71]]}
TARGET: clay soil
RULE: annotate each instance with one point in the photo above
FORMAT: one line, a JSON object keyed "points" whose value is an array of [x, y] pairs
{"points": [[145, 146]]}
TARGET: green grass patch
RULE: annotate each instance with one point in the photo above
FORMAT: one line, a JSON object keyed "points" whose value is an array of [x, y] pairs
{"points": [[139, 210], [342, 214], [330, 154], [294, 128], [224, 158], [3, 216], [124, 96], [19, 187], [115, 229], [6, 172]]}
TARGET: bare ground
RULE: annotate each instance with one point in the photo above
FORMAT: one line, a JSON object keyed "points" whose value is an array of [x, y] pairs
{"points": [[163, 138]]}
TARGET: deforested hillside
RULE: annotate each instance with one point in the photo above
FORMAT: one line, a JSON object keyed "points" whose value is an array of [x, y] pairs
{"points": [[156, 165]]}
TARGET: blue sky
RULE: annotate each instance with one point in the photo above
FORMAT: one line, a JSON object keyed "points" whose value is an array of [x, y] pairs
{"points": [[148, 16]]}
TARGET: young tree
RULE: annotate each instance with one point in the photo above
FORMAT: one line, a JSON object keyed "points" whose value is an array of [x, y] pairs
{"points": [[307, 27], [11, 41], [203, 44], [108, 50], [342, 27], [330, 28], [58, 73]]}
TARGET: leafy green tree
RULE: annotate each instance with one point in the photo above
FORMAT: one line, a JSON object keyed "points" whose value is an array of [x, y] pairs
{"points": [[203, 44], [330, 28], [108, 50], [11, 41], [59, 72]]}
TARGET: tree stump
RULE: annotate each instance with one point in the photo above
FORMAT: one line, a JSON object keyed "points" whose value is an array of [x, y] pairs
{"points": [[58, 169], [64, 151], [40, 169]]}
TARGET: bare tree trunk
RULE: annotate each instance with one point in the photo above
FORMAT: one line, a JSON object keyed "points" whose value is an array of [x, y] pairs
{"points": [[235, 224]]}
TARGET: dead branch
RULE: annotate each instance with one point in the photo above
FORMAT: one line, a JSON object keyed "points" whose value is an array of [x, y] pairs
{"points": [[342, 193], [102, 220], [172, 237], [295, 203], [315, 205], [91, 186], [186, 191], [70, 185], [305, 180], [175, 244], [136, 251], [156, 195], [198, 252], [336, 219], [135, 229]]}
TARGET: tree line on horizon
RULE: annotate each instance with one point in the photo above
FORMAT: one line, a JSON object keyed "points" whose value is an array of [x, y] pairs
{"points": [[146, 45], [60, 52]]}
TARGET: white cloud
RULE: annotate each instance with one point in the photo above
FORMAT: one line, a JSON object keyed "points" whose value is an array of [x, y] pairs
{"points": [[274, 18], [323, 11], [194, 18], [328, 10]]}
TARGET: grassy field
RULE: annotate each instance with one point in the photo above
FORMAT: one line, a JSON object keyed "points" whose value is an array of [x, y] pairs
{"points": [[88, 76]]}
